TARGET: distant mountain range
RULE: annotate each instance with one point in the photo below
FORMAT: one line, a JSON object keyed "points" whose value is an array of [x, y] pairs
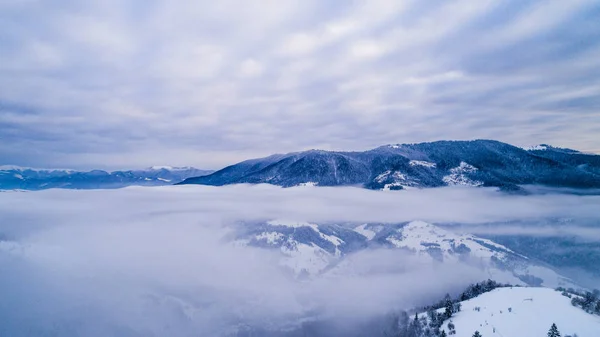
{"points": [[389, 167], [15, 177], [401, 166]]}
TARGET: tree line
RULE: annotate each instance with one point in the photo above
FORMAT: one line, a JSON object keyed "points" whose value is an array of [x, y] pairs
{"points": [[430, 324], [588, 300]]}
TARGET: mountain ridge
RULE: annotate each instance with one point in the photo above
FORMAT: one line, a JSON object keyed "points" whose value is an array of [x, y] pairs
{"points": [[309, 249], [27, 178], [434, 164]]}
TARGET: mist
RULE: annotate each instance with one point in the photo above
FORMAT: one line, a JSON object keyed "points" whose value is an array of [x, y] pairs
{"points": [[156, 261]]}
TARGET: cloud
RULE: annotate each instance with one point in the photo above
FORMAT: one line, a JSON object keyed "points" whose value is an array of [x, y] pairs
{"points": [[154, 261], [584, 233], [251, 68], [117, 84]]}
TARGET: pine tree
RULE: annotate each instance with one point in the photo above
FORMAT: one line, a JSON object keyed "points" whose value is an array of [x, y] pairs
{"points": [[451, 328], [449, 306], [553, 332], [443, 334], [476, 334], [448, 312]]}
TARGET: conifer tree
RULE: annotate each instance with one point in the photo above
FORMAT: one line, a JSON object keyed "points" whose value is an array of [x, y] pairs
{"points": [[553, 332], [449, 306], [451, 328], [476, 334]]}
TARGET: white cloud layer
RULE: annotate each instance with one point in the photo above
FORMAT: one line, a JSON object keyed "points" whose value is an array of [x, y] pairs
{"points": [[136, 83], [152, 261]]}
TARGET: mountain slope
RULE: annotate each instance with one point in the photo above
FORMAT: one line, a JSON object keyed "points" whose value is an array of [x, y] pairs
{"points": [[442, 163], [522, 311], [322, 167], [14, 177], [309, 249]]}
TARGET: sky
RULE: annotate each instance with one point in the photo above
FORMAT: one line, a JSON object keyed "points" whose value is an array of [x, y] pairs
{"points": [[128, 84], [160, 262]]}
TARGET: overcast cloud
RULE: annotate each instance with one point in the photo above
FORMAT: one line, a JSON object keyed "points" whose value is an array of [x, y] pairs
{"points": [[113, 84]]}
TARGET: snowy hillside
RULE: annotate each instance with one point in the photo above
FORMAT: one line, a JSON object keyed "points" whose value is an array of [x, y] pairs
{"points": [[522, 312], [311, 249], [401, 166]]}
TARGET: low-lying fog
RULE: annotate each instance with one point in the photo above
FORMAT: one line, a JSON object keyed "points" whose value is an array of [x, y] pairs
{"points": [[153, 261]]}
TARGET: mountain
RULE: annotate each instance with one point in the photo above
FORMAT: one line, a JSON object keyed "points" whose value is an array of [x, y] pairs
{"points": [[521, 311], [15, 177], [522, 290], [489, 308], [441, 163], [309, 249]]}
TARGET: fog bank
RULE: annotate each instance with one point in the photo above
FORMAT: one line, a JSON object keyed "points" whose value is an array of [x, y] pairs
{"points": [[153, 261]]}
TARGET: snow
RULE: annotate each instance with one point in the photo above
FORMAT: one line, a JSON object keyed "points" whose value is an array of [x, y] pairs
{"points": [[380, 178], [22, 168], [533, 310], [362, 230], [165, 180], [12, 168], [161, 168], [396, 175], [427, 241], [422, 163], [388, 187], [18, 176], [289, 223], [295, 224], [417, 235], [458, 175], [170, 168], [308, 184], [399, 179], [399, 176], [298, 256], [271, 237], [420, 237], [550, 277], [305, 258], [333, 239], [536, 147]]}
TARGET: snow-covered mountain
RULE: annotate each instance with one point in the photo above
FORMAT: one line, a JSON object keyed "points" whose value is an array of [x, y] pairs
{"points": [[25, 178], [309, 249], [442, 163], [521, 311]]}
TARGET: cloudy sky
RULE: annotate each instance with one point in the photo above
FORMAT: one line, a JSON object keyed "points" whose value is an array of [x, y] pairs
{"points": [[116, 84]]}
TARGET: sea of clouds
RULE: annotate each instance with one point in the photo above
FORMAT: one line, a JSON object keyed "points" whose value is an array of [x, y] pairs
{"points": [[155, 261]]}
